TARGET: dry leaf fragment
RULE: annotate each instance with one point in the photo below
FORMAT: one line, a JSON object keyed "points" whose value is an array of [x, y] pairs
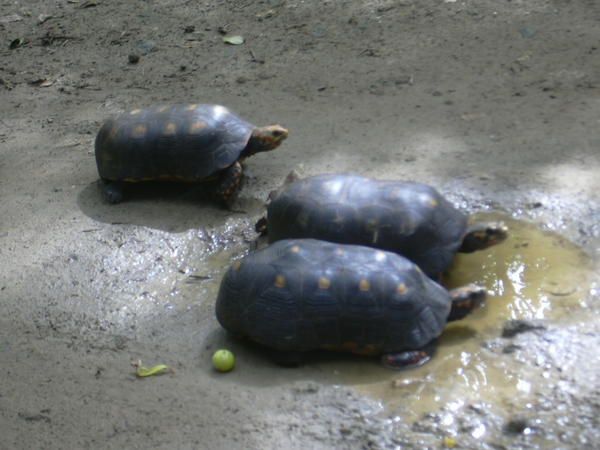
{"points": [[41, 82], [16, 43], [142, 372], [43, 17], [233, 40]]}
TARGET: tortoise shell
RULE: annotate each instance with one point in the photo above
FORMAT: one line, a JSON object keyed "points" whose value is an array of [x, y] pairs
{"points": [[305, 294], [175, 143], [411, 219]]}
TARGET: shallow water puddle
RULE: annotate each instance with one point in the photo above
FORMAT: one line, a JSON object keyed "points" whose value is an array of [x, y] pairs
{"points": [[532, 275]]}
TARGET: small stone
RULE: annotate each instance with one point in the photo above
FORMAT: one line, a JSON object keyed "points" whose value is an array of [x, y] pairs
{"points": [[146, 46], [133, 58], [516, 426], [319, 31], [189, 29], [513, 327], [511, 348], [527, 32]]}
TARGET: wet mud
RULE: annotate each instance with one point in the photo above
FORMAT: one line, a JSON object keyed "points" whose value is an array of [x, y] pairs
{"points": [[493, 103]]}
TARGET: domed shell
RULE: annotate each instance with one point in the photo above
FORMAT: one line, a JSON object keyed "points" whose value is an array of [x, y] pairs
{"points": [[177, 143], [411, 219], [307, 294]]}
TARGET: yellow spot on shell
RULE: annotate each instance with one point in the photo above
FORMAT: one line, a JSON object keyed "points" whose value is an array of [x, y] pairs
{"points": [[135, 112], [139, 131], [380, 256], [367, 350], [324, 283], [192, 107], [280, 281], [428, 200], [364, 285], [401, 289], [113, 132], [196, 127], [349, 346], [236, 265], [170, 129], [295, 249]]}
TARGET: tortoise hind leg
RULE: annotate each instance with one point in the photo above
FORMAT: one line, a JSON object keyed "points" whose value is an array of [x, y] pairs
{"points": [[229, 184], [112, 191], [409, 359]]}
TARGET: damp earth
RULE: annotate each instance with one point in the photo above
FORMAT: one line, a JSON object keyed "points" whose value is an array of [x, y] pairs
{"points": [[494, 103]]}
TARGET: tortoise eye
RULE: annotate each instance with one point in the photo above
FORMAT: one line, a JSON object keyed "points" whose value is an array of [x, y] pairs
{"points": [[277, 133]]}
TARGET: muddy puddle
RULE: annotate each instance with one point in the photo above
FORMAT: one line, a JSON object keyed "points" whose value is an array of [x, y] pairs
{"points": [[532, 275]]}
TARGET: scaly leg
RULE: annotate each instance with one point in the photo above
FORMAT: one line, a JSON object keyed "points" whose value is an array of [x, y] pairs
{"points": [[229, 183], [112, 191]]}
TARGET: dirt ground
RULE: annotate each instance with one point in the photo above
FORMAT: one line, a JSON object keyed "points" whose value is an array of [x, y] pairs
{"points": [[495, 102]]}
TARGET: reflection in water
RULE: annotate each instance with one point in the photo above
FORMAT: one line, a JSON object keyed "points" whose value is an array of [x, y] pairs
{"points": [[532, 275]]}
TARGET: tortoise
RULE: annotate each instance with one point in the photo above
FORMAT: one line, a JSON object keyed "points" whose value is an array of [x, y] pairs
{"points": [[298, 295], [183, 143], [408, 218]]}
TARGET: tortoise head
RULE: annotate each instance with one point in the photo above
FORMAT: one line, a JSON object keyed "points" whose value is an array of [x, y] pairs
{"points": [[464, 300], [483, 235], [291, 177], [264, 139]]}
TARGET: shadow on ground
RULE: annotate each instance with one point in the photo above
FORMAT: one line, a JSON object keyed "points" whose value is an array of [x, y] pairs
{"points": [[163, 206]]}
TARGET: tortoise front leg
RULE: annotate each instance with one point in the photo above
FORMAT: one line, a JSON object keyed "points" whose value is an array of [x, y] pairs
{"points": [[112, 191], [261, 226], [229, 183]]}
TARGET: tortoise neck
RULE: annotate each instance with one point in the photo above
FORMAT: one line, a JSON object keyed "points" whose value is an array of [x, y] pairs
{"points": [[472, 241], [483, 235], [255, 144]]}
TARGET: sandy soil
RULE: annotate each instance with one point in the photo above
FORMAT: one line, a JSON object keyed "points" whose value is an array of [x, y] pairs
{"points": [[497, 103]]}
